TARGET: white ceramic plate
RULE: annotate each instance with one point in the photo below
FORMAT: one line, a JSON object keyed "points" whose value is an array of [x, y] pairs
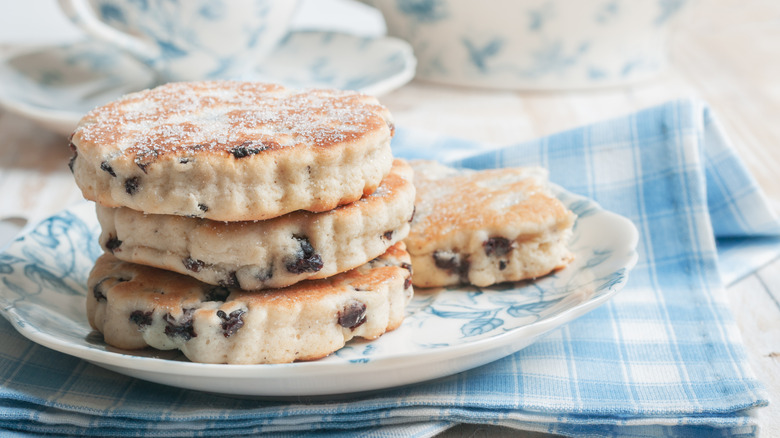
{"points": [[57, 85], [446, 331]]}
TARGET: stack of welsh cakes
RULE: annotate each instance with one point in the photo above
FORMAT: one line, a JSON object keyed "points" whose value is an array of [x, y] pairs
{"points": [[245, 222]]}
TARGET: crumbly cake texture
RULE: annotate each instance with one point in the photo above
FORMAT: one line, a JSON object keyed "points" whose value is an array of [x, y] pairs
{"points": [[485, 227], [232, 151], [135, 306], [275, 252]]}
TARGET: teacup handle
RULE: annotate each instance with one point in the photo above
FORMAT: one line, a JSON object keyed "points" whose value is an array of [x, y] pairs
{"points": [[81, 14]]}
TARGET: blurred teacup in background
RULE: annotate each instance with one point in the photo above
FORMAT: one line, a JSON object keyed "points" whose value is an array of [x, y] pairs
{"points": [[188, 40], [533, 44]]}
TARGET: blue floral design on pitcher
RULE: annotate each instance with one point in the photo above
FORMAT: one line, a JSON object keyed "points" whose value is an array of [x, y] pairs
{"points": [[550, 44], [425, 11]]}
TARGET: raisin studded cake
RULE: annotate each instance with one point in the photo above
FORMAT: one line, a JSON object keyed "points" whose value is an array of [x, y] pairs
{"points": [[485, 227], [275, 252], [232, 151], [135, 306]]}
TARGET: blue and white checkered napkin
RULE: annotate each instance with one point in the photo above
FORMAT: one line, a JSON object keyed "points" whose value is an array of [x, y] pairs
{"points": [[663, 357]]}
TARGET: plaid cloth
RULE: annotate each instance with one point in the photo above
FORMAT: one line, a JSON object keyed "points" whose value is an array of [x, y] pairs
{"points": [[664, 357]]}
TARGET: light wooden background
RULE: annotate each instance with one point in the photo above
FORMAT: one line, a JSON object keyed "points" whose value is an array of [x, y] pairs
{"points": [[726, 52]]}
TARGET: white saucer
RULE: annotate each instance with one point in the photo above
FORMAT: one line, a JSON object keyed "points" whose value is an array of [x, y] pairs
{"points": [[43, 277], [57, 85]]}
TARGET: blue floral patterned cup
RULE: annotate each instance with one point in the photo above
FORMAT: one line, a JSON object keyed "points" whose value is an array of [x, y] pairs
{"points": [[533, 44], [188, 40]]}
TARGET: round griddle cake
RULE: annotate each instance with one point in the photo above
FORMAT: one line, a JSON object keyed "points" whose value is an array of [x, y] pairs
{"points": [[485, 227], [271, 253], [232, 151], [135, 306]]}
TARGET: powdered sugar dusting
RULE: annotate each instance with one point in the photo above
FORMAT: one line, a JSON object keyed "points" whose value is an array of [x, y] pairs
{"points": [[242, 118]]}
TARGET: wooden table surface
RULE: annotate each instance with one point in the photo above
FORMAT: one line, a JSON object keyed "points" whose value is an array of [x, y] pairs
{"points": [[726, 52]]}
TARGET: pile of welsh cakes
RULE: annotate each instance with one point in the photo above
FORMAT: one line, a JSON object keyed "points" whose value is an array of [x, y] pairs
{"points": [[245, 222]]}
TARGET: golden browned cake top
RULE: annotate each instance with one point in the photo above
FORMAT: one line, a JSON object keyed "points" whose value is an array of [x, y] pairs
{"points": [[228, 117], [454, 202]]}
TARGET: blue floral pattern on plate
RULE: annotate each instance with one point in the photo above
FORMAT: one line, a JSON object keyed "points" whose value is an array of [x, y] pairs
{"points": [[447, 330], [58, 85]]}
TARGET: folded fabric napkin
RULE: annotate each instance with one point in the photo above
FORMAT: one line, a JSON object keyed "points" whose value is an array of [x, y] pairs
{"points": [[663, 357]]}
